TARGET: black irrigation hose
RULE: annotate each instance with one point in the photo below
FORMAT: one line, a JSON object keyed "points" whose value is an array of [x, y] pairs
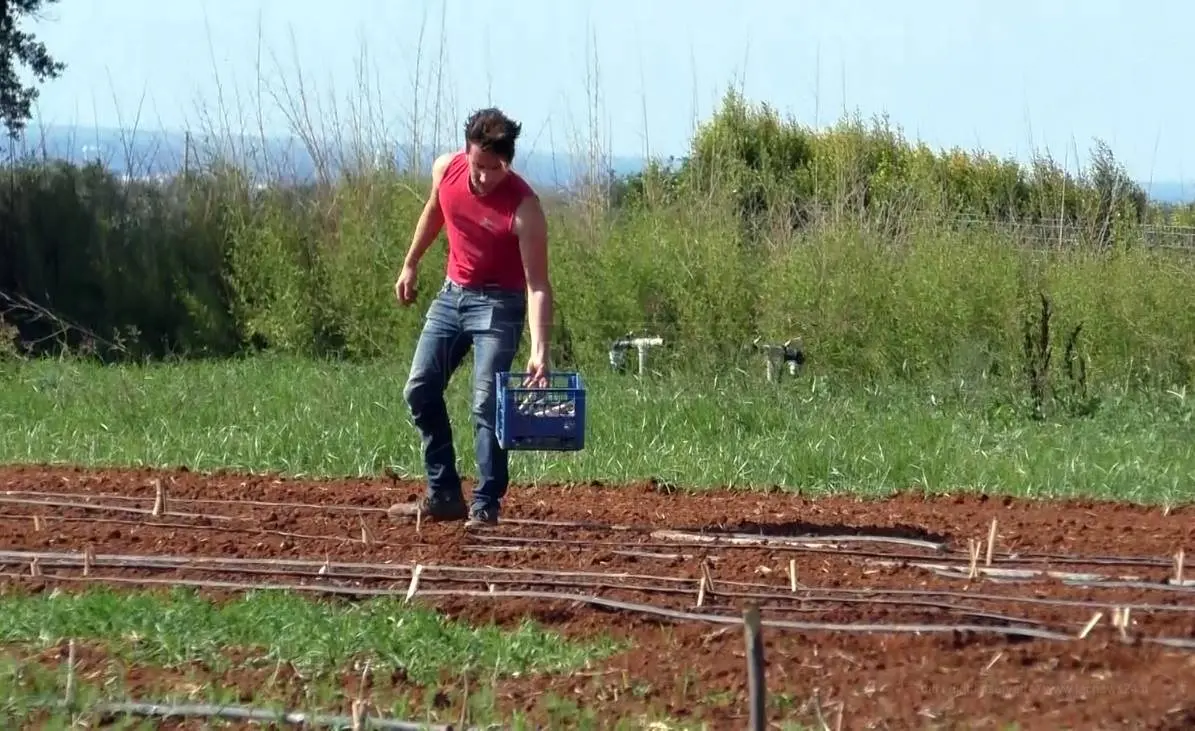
{"points": [[134, 560], [646, 609], [532, 581], [595, 601], [519, 540], [244, 713], [915, 561], [522, 541], [609, 586], [484, 574], [113, 508], [719, 538], [333, 576], [216, 528], [341, 507]]}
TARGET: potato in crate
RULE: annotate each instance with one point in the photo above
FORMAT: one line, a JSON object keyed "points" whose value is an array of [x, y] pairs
{"points": [[549, 418]]}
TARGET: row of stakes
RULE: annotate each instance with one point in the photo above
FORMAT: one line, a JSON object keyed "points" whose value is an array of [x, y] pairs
{"points": [[778, 357]]}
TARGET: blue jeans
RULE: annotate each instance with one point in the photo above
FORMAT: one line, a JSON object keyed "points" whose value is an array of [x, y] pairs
{"points": [[490, 321]]}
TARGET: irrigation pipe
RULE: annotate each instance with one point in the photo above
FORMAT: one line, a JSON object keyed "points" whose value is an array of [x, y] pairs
{"points": [[891, 559], [952, 609], [485, 574], [556, 583], [594, 601], [213, 528], [112, 508], [1187, 587], [1071, 578], [294, 562], [804, 542], [745, 539], [817, 548], [614, 604], [383, 570], [329, 507], [820, 545], [244, 713], [423, 577], [882, 559]]}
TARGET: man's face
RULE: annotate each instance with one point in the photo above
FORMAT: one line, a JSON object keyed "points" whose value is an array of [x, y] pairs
{"points": [[486, 169]]}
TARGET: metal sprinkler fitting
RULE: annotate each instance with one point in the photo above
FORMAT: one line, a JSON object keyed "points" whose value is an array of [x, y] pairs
{"points": [[619, 348], [790, 354]]}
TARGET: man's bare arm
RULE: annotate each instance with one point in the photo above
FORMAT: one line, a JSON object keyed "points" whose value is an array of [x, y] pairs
{"points": [[532, 228], [431, 220]]}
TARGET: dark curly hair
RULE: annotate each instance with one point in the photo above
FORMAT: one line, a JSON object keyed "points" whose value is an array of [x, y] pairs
{"points": [[493, 131]]}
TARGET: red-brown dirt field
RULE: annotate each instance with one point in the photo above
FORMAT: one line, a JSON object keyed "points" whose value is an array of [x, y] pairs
{"points": [[888, 627]]}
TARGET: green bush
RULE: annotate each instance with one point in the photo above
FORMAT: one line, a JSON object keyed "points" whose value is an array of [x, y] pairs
{"points": [[889, 259]]}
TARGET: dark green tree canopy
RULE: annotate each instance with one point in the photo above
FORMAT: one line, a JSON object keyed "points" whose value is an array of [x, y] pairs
{"points": [[21, 49]]}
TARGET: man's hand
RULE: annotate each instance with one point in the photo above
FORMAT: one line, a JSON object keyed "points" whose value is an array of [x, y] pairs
{"points": [[537, 371], [404, 288]]}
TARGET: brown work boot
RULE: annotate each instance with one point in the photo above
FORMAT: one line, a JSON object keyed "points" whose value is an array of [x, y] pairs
{"points": [[431, 508], [481, 516]]}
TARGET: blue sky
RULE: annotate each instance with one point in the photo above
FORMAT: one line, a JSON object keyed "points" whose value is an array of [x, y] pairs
{"points": [[1006, 76]]}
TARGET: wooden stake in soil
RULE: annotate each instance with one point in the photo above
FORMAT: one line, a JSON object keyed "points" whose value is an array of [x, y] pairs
{"points": [[464, 717], [88, 559], [366, 534], [37, 524], [701, 591], [159, 498], [1091, 623], [1178, 567], [70, 674], [792, 574], [757, 693], [414, 585], [973, 550], [709, 578], [1120, 620], [991, 543], [357, 719]]}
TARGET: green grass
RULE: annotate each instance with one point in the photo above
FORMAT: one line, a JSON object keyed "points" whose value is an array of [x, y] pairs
{"points": [[320, 639], [317, 637], [820, 435], [32, 696]]}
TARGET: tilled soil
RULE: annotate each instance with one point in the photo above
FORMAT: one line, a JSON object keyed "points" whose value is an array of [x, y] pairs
{"points": [[895, 619]]}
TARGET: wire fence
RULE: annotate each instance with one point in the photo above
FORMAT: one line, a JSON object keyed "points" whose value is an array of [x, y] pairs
{"points": [[1062, 235]]}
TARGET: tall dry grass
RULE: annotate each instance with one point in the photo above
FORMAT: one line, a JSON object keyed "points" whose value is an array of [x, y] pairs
{"points": [[851, 238]]}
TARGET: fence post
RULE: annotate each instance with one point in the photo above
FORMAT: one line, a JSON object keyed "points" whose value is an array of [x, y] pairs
{"points": [[756, 690]]}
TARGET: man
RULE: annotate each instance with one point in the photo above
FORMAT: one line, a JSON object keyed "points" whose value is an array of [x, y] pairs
{"points": [[497, 273]]}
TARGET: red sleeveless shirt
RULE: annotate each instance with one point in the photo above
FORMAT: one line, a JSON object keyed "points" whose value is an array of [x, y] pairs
{"points": [[483, 249]]}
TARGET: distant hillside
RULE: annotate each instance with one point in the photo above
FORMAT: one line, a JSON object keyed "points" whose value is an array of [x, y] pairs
{"points": [[147, 154], [150, 154], [1170, 191]]}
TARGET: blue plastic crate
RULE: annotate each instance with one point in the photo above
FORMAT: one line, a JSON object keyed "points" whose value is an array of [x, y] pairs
{"points": [[550, 418]]}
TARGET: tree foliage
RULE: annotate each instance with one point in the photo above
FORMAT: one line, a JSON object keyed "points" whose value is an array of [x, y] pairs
{"points": [[19, 49]]}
